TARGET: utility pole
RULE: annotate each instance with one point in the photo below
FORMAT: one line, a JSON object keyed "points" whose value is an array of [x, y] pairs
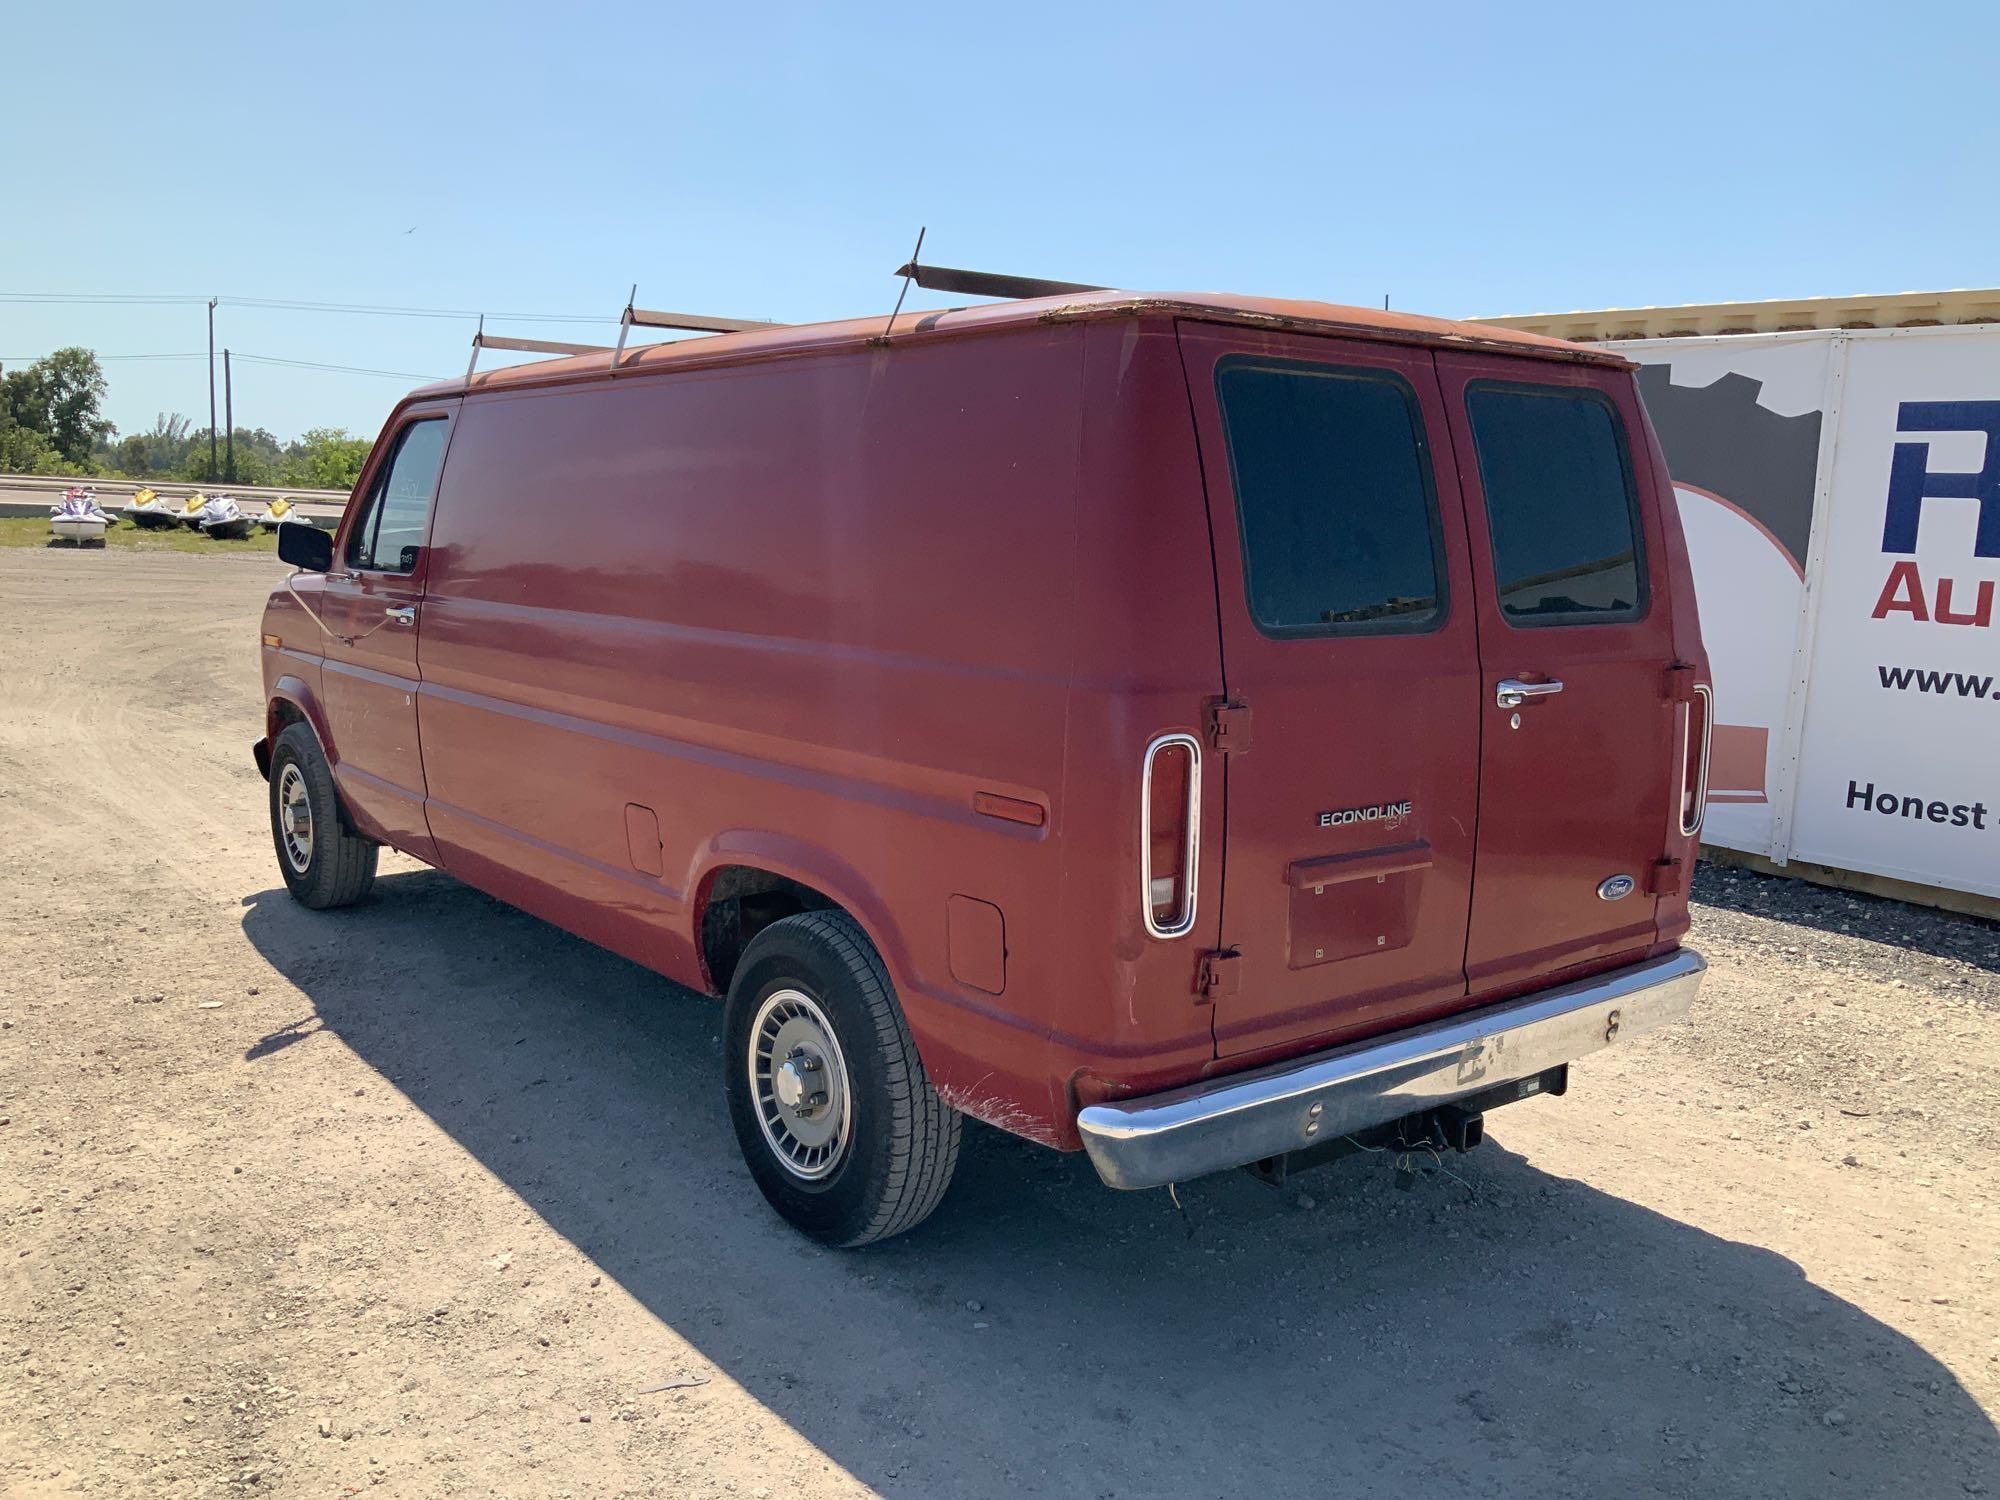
{"points": [[228, 421], [211, 387]]}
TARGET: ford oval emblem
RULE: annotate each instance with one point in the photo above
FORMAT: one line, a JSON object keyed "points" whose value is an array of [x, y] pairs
{"points": [[1616, 887]]}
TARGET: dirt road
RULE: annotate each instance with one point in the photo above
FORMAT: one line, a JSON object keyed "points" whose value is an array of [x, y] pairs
{"points": [[421, 1198]]}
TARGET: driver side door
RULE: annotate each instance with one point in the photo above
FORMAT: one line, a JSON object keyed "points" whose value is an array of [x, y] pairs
{"points": [[372, 604]]}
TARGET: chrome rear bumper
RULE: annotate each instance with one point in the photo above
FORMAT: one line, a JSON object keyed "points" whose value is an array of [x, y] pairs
{"points": [[1246, 1117]]}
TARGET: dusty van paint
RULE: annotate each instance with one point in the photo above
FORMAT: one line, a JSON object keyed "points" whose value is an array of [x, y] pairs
{"points": [[807, 595]]}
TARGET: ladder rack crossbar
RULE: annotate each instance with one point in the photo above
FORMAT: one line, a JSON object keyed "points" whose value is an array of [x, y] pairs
{"points": [[484, 340], [988, 283], [641, 317], [632, 317], [537, 346], [694, 322]]}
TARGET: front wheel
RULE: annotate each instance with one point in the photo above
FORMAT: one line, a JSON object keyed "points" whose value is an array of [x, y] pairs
{"points": [[324, 864], [837, 1119]]}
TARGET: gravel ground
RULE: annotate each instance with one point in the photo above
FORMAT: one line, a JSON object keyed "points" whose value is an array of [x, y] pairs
{"points": [[427, 1198]]}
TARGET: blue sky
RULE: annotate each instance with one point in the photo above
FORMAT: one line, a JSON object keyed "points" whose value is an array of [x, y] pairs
{"points": [[776, 161]]}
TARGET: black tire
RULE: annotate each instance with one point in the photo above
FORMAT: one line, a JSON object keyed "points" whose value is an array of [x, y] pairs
{"points": [[339, 866], [901, 1144]]}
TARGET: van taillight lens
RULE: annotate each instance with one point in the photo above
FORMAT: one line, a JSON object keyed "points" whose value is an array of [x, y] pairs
{"points": [[1696, 714], [1170, 834]]}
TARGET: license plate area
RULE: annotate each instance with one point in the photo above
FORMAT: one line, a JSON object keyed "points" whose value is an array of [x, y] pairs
{"points": [[1347, 905]]}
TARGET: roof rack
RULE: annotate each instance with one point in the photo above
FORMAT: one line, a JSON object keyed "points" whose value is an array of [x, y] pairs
{"points": [[639, 317], [632, 317], [484, 340], [930, 278], [988, 283]]}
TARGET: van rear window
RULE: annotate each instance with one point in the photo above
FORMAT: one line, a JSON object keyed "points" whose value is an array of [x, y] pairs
{"points": [[1334, 499], [1560, 503]]}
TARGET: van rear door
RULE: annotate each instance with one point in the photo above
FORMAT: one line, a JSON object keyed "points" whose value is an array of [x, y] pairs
{"points": [[1350, 650], [1578, 762]]}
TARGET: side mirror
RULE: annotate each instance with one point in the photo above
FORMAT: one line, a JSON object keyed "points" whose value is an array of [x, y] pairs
{"points": [[304, 545]]}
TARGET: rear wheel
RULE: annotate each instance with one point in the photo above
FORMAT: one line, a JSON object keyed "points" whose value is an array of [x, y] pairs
{"points": [[324, 864], [836, 1117]]}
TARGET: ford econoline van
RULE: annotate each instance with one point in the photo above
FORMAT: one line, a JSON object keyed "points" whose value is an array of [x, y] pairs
{"points": [[1205, 731]]}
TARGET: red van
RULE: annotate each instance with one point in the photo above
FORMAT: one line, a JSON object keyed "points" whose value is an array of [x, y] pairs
{"points": [[1206, 731]]}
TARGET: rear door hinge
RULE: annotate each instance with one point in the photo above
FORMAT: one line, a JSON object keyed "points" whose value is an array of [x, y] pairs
{"points": [[1216, 978], [1228, 726], [1664, 879], [1680, 682]]}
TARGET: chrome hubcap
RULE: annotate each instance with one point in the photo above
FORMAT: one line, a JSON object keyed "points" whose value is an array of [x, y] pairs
{"points": [[295, 819], [799, 1080]]}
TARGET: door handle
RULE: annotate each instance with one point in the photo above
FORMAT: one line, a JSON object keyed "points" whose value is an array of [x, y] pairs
{"points": [[407, 615], [1511, 692]]}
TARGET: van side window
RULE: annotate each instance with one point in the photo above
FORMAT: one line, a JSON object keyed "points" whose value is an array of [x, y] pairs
{"points": [[392, 522], [1560, 503], [1334, 499]]}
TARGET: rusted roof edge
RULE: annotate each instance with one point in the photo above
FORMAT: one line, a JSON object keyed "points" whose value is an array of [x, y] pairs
{"points": [[1208, 312]]}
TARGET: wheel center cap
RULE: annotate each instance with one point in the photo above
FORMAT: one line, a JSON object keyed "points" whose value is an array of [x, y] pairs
{"points": [[796, 1082], [789, 1085]]}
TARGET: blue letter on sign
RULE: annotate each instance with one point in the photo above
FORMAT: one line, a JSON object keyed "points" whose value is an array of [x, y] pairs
{"points": [[1911, 481]]}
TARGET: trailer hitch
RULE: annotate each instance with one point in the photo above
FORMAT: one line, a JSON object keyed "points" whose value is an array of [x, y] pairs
{"points": [[1417, 1140]]}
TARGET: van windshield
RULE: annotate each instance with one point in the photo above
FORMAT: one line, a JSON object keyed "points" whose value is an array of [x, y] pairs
{"points": [[1334, 499]]}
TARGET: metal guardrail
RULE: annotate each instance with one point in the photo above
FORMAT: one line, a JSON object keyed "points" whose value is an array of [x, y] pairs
{"points": [[174, 487]]}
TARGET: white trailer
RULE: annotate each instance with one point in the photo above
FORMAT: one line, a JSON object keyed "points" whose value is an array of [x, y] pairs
{"points": [[1837, 463]]}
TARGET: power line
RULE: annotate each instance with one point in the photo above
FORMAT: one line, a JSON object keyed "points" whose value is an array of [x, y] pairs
{"points": [[122, 297], [291, 304], [262, 359], [28, 359], [414, 312], [307, 364]]}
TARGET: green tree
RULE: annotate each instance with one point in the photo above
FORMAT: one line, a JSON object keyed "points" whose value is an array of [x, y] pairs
{"points": [[62, 398], [52, 422], [160, 451], [25, 451], [131, 457], [325, 458], [16, 397], [258, 456]]}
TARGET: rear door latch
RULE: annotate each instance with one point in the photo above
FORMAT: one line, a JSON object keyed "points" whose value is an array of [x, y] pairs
{"points": [[1216, 978], [1228, 726]]}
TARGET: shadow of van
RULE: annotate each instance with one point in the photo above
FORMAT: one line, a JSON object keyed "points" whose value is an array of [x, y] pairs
{"points": [[1042, 1334]]}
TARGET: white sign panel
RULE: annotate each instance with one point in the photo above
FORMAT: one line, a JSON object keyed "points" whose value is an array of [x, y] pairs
{"points": [[1841, 498], [1900, 761]]}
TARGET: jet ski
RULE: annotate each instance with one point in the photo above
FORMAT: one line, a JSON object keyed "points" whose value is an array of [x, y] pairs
{"points": [[190, 513], [148, 510], [76, 517], [222, 520], [277, 513]]}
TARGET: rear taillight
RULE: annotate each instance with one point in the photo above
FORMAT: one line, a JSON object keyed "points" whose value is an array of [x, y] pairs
{"points": [[1695, 716], [1170, 834]]}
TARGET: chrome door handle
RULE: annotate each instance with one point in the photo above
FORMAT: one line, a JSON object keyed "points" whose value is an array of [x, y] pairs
{"points": [[1511, 692], [407, 615]]}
